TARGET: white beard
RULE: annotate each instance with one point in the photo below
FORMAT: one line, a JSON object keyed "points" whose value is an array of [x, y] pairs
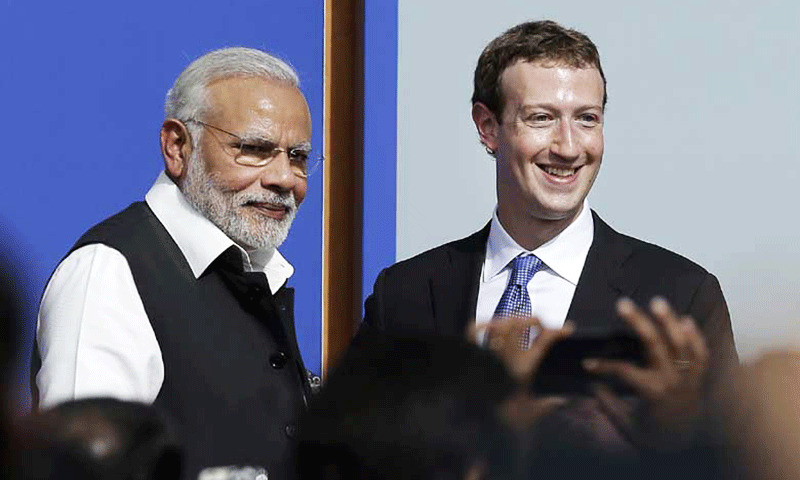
{"points": [[225, 208]]}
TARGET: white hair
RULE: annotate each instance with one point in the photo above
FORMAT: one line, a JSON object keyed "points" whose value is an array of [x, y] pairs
{"points": [[188, 96]]}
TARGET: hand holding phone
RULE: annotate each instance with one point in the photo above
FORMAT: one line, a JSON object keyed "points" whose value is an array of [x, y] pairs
{"points": [[562, 370]]}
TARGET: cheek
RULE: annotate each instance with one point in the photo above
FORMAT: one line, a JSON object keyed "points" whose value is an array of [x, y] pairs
{"points": [[238, 179], [525, 149], [594, 146], [514, 173], [300, 191], [598, 150], [231, 177]]}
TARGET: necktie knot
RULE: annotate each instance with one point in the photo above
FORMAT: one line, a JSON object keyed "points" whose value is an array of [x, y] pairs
{"points": [[525, 267], [515, 301]]}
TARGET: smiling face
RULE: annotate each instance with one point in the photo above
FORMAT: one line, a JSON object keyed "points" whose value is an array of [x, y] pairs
{"points": [[254, 206], [548, 144]]}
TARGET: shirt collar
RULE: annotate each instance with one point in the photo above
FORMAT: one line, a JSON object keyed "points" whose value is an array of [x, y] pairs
{"points": [[201, 242], [564, 254]]}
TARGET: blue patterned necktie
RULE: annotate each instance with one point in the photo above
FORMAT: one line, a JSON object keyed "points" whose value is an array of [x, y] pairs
{"points": [[515, 301]]}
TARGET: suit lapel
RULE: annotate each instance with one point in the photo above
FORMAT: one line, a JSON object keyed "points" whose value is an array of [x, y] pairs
{"points": [[601, 284], [602, 281], [454, 289]]}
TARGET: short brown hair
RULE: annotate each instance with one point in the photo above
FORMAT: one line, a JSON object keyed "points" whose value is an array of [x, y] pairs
{"points": [[542, 41]]}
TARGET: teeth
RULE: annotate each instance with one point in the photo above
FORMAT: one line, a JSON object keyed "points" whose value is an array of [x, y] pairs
{"points": [[559, 172]]}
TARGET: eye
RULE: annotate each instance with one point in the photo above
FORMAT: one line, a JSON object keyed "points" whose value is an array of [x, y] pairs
{"points": [[536, 118], [589, 119], [257, 150], [298, 156]]}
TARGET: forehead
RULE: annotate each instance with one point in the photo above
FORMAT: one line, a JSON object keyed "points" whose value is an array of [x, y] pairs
{"points": [[526, 83], [257, 105]]}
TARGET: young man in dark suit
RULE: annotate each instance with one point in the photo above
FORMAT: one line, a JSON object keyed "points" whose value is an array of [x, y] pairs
{"points": [[538, 105]]}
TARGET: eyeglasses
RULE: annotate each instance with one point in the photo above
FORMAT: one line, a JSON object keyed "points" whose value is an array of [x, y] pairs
{"points": [[259, 152]]}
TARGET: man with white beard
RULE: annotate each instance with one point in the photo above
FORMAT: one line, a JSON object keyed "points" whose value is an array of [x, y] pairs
{"points": [[181, 300]]}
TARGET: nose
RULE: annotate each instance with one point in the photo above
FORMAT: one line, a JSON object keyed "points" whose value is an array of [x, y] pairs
{"points": [[277, 175], [565, 143]]}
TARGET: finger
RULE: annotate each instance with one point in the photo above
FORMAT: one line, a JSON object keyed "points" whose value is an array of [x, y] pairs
{"points": [[503, 336], [647, 331], [482, 334], [474, 332], [672, 327], [510, 325], [523, 363], [696, 341], [512, 329], [527, 328], [640, 379], [544, 341], [493, 334]]}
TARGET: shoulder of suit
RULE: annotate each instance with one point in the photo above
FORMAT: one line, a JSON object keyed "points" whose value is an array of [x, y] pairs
{"points": [[440, 256], [646, 253]]}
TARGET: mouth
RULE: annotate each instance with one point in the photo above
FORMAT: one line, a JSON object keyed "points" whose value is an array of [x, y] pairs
{"points": [[559, 174], [272, 210]]}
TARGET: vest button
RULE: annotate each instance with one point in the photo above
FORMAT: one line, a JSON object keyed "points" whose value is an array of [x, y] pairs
{"points": [[278, 360], [291, 431]]}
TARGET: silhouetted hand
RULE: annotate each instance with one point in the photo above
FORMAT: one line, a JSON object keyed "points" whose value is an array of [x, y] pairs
{"points": [[522, 409], [670, 384], [504, 335]]}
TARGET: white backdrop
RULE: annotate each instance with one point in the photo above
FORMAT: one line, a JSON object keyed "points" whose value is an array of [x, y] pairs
{"points": [[702, 130]]}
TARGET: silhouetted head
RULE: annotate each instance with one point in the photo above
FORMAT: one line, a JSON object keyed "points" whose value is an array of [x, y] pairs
{"points": [[402, 407], [98, 439]]}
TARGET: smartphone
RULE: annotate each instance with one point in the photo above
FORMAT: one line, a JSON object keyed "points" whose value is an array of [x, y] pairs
{"points": [[561, 371]]}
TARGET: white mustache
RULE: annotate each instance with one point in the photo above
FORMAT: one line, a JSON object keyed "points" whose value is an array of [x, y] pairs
{"points": [[285, 200]]}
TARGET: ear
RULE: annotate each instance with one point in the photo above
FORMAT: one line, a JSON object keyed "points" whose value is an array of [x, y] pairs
{"points": [[176, 148], [487, 125]]}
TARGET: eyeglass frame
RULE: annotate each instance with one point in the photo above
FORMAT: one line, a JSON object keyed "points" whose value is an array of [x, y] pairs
{"points": [[273, 152]]}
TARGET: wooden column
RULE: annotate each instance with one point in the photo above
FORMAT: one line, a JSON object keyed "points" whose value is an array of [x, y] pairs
{"points": [[342, 189]]}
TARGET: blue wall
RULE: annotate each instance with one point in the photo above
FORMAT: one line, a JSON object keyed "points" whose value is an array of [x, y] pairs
{"points": [[83, 88]]}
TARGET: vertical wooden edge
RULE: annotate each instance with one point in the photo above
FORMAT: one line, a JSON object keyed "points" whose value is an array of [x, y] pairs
{"points": [[342, 185], [326, 149], [326, 186]]}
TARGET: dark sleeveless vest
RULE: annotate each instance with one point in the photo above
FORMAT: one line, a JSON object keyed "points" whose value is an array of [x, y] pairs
{"points": [[234, 381]]}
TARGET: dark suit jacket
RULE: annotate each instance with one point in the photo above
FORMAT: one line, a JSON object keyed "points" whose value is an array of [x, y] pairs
{"points": [[436, 292]]}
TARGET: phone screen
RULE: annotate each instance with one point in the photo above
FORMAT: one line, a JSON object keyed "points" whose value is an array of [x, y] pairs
{"points": [[561, 371]]}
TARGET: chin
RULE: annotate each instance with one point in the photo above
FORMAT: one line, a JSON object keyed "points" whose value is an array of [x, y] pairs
{"points": [[560, 212]]}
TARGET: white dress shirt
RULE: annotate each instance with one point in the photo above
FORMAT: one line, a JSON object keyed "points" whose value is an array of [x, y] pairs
{"points": [[94, 337], [552, 288]]}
